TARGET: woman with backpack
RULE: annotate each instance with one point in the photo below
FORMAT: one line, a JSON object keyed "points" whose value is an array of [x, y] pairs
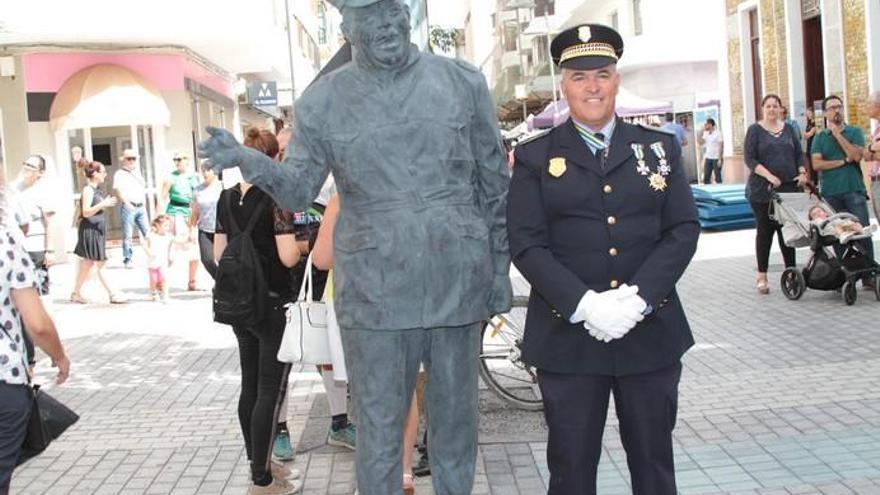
{"points": [[246, 210]]}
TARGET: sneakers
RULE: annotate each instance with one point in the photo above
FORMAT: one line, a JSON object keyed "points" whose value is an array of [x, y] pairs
{"points": [[346, 437], [282, 450], [278, 487], [128, 265]]}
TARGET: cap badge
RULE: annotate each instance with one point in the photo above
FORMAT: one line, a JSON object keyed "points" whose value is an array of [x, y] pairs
{"points": [[584, 34], [557, 167]]}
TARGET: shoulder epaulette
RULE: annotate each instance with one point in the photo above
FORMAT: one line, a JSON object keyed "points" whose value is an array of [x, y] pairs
{"points": [[656, 129], [534, 137]]}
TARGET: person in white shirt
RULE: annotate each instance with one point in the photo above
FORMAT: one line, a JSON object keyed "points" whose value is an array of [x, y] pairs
{"points": [[131, 189], [713, 142], [33, 210]]}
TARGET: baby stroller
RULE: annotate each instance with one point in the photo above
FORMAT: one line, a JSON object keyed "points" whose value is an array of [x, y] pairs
{"points": [[824, 270]]}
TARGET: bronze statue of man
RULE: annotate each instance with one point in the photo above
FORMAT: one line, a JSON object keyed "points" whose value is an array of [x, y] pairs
{"points": [[420, 246]]}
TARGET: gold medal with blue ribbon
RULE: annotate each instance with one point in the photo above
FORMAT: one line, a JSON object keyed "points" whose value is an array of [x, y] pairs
{"points": [[639, 151]]}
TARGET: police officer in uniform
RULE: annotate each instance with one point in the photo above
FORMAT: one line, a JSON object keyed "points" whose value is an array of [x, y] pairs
{"points": [[602, 223]]}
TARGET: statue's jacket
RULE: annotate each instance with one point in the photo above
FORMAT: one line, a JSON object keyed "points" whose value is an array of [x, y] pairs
{"points": [[422, 176]]}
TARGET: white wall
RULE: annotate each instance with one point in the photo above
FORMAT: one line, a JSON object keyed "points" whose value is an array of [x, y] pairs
{"points": [[679, 83]]}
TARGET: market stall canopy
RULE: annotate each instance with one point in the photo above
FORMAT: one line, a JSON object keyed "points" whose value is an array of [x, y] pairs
{"points": [[107, 95], [627, 105]]}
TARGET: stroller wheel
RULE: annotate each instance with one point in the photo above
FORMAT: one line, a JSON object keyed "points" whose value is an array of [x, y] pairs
{"points": [[792, 283], [849, 292], [877, 286]]}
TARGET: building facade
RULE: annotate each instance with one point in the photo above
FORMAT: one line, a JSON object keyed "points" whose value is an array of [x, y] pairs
{"points": [[801, 50], [153, 83]]}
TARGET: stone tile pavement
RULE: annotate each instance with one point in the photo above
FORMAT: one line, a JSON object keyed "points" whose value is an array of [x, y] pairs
{"points": [[778, 397]]}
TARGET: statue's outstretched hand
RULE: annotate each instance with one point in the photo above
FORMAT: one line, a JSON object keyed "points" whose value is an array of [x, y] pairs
{"points": [[222, 150]]}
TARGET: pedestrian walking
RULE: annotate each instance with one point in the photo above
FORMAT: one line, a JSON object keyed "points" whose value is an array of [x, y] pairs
{"points": [[674, 127], [602, 224], [21, 306], [872, 153], [205, 212], [430, 175], [795, 126], [335, 376], [810, 131], [714, 143], [837, 154], [774, 156], [91, 234], [178, 194], [131, 189], [158, 248], [263, 377], [34, 212]]}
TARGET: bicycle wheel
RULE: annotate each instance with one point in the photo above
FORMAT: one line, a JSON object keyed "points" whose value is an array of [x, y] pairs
{"points": [[501, 365]]}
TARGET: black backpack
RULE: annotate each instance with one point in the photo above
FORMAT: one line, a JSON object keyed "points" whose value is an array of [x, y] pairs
{"points": [[240, 288]]}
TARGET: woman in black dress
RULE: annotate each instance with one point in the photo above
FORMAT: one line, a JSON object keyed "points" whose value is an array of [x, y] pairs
{"points": [[90, 245], [773, 154]]}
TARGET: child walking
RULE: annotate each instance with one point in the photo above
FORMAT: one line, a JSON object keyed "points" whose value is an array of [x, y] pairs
{"points": [[158, 250]]}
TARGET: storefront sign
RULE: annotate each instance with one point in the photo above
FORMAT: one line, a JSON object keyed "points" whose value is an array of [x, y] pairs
{"points": [[263, 93]]}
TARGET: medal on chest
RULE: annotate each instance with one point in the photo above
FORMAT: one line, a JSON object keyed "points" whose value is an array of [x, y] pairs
{"points": [[639, 151], [657, 180]]}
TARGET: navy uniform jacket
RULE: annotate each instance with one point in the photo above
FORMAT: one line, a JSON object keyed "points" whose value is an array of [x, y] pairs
{"points": [[596, 228]]}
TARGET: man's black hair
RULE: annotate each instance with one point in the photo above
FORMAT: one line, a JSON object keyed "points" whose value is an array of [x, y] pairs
{"points": [[829, 98]]}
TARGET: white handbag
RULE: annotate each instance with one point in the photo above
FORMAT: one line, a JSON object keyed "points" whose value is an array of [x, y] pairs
{"points": [[305, 334]]}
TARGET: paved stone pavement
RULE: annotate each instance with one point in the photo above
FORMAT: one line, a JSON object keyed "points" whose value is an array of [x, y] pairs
{"points": [[778, 397]]}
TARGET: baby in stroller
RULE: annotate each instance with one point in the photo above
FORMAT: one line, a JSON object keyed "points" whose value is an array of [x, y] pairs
{"points": [[843, 228], [809, 221]]}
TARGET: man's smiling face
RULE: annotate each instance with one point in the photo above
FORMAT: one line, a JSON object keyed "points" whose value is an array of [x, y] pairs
{"points": [[591, 94]]}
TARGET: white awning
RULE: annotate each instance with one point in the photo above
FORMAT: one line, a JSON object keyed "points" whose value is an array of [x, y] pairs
{"points": [[540, 26], [107, 95]]}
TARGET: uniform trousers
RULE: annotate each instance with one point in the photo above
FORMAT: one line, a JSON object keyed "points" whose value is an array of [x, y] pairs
{"points": [[575, 407], [382, 368]]}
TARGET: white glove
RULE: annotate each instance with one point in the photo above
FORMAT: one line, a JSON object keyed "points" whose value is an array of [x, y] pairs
{"points": [[600, 336], [612, 313]]}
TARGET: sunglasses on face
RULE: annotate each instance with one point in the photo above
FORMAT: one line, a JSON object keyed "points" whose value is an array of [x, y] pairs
{"points": [[130, 158], [834, 107], [178, 159]]}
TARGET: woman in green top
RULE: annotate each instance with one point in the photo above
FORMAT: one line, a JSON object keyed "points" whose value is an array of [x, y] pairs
{"points": [[178, 192]]}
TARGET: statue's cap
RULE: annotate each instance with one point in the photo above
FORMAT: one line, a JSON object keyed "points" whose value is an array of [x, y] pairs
{"points": [[341, 4]]}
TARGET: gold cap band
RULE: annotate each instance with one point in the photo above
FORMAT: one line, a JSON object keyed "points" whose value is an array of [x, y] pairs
{"points": [[588, 50]]}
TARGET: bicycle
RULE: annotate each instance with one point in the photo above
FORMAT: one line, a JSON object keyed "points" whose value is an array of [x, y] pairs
{"points": [[501, 365]]}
